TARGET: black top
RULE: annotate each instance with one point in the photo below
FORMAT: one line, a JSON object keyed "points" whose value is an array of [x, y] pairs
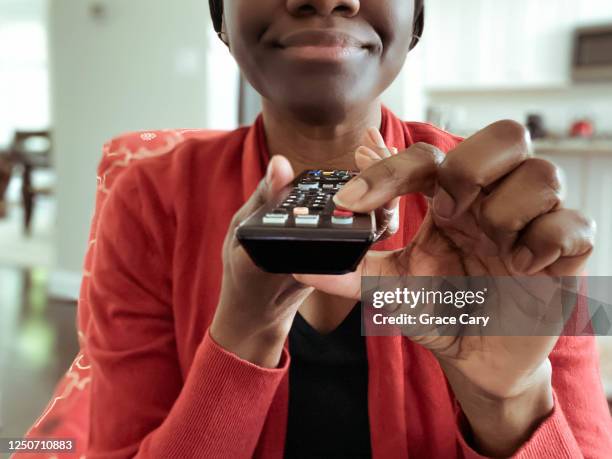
{"points": [[328, 391]]}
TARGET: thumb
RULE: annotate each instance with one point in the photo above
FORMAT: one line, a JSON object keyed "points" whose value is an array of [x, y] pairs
{"points": [[278, 175]]}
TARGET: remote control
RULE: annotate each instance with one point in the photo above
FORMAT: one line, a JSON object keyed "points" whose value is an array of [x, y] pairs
{"points": [[301, 231]]}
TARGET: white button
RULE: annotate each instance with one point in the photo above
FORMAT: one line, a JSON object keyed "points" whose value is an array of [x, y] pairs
{"points": [[309, 186], [307, 220], [342, 220], [275, 219]]}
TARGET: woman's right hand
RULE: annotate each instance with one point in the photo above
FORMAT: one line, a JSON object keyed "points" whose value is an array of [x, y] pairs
{"points": [[256, 308]]}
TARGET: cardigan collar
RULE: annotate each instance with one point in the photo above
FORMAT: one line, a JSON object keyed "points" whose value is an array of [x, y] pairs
{"points": [[388, 429]]}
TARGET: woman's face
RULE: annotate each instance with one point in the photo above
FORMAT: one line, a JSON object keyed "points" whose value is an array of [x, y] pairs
{"points": [[319, 59]]}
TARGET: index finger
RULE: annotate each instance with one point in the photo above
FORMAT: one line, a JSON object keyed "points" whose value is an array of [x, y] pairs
{"points": [[411, 171]]}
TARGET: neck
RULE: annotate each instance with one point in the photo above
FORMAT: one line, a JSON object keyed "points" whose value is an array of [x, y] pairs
{"points": [[308, 146]]}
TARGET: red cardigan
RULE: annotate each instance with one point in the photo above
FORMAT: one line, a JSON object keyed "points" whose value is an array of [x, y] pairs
{"points": [[149, 381]]}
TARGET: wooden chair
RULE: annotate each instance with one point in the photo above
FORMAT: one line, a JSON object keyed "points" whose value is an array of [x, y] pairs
{"points": [[6, 168], [25, 153]]}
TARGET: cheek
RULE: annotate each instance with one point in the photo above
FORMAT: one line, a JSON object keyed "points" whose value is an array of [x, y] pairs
{"points": [[393, 20], [245, 22]]}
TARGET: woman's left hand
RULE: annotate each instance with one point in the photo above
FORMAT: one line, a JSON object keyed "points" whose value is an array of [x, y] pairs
{"points": [[495, 211]]}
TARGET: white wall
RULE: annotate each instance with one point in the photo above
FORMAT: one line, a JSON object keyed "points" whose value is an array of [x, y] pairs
{"points": [[107, 78], [405, 97]]}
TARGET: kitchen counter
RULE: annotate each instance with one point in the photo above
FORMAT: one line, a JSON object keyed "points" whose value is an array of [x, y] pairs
{"points": [[572, 147]]}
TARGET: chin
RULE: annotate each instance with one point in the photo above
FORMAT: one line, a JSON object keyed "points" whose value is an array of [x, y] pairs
{"points": [[329, 108], [320, 114]]}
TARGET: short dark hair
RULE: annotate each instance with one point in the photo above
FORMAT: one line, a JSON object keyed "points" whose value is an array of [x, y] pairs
{"points": [[216, 11]]}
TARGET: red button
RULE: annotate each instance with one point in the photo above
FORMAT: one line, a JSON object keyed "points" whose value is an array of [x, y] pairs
{"points": [[343, 213]]}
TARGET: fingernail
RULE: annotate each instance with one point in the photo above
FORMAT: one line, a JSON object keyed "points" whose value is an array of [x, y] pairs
{"points": [[444, 204], [351, 193], [270, 173], [376, 137], [522, 260]]}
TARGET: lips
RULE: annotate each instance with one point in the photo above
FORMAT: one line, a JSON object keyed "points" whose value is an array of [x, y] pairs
{"points": [[322, 44], [323, 38]]}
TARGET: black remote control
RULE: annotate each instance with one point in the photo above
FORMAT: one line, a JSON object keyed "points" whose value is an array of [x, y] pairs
{"points": [[301, 231]]}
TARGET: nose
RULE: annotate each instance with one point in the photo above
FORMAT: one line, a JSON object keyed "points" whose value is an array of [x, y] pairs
{"points": [[346, 8]]}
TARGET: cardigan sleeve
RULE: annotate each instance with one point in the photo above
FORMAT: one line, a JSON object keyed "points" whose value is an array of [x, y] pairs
{"points": [[142, 405], [580, 425]]}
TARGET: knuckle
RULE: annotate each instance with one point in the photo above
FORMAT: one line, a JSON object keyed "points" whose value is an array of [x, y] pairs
{"points": [[586, 230], [552, 201], [492, 217], [454, 170], [430, 152], [587, 224], [389, 172], [512, 131], [546, 173], [589, 244]]}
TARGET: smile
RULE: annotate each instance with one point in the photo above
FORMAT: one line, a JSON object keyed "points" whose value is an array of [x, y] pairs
{"points": [[331, 53], [323, 45]]}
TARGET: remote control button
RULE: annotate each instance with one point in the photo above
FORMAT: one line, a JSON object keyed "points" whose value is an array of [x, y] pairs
{"points": [[307, 220], [308, 186], [314, 173], [342, 220], [275, 219], [301, 211], [341, 213], [328, 173]]}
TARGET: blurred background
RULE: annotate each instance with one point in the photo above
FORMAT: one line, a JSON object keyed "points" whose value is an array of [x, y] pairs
{"points": [[74, 73]]}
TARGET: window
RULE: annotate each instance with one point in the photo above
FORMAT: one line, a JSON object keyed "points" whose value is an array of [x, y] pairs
{"points": [[24, 80]]}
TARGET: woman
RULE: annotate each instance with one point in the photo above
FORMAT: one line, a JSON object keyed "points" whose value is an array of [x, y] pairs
{"points": [[190, 343]]}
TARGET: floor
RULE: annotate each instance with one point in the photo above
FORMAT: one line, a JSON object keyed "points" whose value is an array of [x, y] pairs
{"points": [[37, 344], [16, 249], [37, 334]]}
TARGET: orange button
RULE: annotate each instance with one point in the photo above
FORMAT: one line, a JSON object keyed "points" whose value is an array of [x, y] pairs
{"points": [[301, 211]]}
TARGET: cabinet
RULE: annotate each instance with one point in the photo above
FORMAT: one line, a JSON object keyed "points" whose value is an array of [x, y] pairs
{"points": [[499, 44]]}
